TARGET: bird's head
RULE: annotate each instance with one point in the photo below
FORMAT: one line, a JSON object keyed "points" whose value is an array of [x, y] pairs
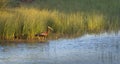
{"points": [[50, 28]]}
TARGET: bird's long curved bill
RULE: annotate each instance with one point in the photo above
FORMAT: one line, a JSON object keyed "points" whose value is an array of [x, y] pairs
{"points": [[50, 28]]}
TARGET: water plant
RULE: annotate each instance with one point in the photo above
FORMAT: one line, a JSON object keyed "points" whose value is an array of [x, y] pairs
{"points": [[24, 22]]}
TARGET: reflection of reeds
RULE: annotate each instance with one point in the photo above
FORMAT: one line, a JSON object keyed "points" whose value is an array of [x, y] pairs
{"points": [[25, 23]]}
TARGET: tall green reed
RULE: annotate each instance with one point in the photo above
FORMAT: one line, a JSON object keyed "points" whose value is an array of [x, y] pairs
{"points": [[26, 22]]}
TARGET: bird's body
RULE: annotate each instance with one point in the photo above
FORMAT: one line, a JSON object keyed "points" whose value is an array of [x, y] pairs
{"points": [[43, 35]]}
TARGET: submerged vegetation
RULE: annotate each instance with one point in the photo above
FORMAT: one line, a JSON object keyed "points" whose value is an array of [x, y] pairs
{"points": [[29, 19]]}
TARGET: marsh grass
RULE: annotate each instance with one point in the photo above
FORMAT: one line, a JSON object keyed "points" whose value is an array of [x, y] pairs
{"points": [[67, 17], [26, 22]]}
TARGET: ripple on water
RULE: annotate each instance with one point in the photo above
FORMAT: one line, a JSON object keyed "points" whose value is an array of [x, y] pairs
{"points": [[88, 49]]}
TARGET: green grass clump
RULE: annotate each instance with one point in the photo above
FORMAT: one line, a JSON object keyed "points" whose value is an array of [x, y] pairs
{"points": [[29, 21], [67, 17]]}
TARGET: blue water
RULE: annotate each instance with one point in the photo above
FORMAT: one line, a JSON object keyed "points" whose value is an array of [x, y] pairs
{"points": [[88, 49]]}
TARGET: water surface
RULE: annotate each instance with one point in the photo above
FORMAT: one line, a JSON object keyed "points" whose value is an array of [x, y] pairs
{"points": [[88, 49]]}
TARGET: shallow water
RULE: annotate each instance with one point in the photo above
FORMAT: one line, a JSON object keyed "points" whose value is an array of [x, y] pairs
{"points": [[88, 49]]}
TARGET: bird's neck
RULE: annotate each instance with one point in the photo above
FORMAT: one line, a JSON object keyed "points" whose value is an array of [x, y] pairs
{"points": [[47, 31]]}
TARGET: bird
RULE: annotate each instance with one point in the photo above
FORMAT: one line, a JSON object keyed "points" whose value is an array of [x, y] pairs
{"points": [[44, 35]]}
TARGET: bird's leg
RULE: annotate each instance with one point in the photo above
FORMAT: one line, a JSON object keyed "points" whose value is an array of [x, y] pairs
{"points": [[38, 37], [44, 37]]}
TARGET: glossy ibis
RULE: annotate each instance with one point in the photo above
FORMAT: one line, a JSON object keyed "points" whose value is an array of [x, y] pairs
{"points": [[43, 35]]}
